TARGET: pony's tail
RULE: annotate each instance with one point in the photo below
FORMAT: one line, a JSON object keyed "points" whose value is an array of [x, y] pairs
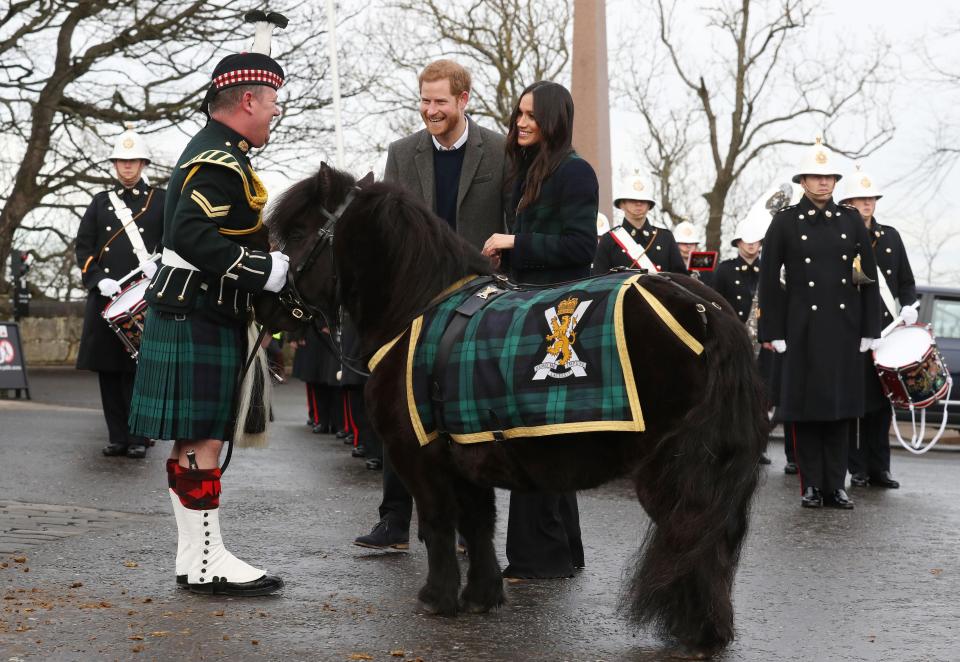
{"points": [[253, 404], [698, 490]]}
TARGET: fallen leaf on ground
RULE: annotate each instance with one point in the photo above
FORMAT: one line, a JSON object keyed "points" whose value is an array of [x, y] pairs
{"points": [[226, 637], [19, 559], [76, 584], [219, 612], [159, 633], [130, 564], [136, 637], [105, 604], [255, 642], [137, 648], [360, 656], [147, 601], [398, 653]]}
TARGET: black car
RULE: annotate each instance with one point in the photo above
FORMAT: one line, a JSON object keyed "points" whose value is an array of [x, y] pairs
{"points": [[940, 307]]}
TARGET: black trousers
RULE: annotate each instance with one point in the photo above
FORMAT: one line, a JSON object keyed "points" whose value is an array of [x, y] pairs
{"points": [[821, 451], [362, 427], [396, 506], [322, 404], [116, 390], [543, 535], [870, 450]]}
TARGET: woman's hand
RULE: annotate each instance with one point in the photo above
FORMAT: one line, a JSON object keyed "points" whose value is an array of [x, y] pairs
{"points": [[496, 243]]}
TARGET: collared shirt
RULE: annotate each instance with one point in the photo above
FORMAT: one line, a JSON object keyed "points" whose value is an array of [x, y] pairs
{"points": [[461, 141]]}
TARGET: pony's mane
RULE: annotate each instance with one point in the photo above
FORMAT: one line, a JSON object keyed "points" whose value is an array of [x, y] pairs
{"points": [[394, 256]]}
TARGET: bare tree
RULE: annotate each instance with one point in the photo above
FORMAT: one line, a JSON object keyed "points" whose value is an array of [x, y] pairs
{"points": [[73, 72], [767, 88], [507, 44]]}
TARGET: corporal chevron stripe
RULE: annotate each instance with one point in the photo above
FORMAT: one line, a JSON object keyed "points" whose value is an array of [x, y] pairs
{"points": [[212, 211]]}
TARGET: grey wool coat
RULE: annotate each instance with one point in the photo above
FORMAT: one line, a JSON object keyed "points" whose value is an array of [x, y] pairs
{"points": [[482, 199]]}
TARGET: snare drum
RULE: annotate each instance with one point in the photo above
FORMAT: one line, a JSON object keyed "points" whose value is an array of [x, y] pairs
{"points": [[125, 314], [910, 367]]}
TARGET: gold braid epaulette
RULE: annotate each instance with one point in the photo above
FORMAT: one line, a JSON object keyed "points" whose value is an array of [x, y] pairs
{"points": [[253, 188]]}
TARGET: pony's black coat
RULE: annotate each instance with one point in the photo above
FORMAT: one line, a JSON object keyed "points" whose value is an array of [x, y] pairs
{"points": [[695, 468]]}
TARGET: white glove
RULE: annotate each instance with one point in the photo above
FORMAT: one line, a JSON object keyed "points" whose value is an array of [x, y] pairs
{"points": [[866, 344], [108, 287], [148, 267], [909, 315], [279, 264], [779, 346]]}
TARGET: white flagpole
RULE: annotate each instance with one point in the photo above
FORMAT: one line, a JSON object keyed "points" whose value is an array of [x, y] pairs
{"points": [[335, 72]]}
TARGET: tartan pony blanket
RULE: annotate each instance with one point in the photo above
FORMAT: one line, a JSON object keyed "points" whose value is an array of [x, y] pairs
{"points": [[529, 363]]}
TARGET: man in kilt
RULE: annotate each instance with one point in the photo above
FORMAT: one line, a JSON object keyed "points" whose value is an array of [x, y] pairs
{"points": [[200, 306]]}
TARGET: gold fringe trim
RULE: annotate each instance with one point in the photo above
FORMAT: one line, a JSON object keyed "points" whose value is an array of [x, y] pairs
{"points": [[670, 321]]}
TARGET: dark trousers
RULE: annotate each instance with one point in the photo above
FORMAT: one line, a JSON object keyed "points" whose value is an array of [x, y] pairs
{"points": [[321, 404], [116, 390], [397, 504], [821, 451], [788, 444], [363, 433], [870, 450], [543, 535]]}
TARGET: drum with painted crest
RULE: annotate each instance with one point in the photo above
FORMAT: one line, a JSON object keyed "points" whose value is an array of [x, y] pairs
{"points": [[911, 370], [125, 314]]}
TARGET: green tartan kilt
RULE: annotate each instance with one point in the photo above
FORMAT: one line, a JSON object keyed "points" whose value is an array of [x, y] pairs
{"points": [[186, 378]]}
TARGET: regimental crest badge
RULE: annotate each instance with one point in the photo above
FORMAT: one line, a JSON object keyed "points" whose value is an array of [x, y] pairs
{"points": [[561, 360], [821, 157], [866, 183], [128, 143]]}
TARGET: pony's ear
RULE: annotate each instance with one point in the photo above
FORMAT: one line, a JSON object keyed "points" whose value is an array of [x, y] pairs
{"points": [[325, 175], [366, 179]]}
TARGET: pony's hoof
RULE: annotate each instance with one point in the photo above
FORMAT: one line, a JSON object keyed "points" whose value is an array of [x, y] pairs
{"points": [[431, 609], [690, 654], [429, 602], [474, 602]]}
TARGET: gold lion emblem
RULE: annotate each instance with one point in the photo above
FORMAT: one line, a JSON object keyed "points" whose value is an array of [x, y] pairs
{"points": [[562, 334], [637, 185], [821, 157], [128, 143]]}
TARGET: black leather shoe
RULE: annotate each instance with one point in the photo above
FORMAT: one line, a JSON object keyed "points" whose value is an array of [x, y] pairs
{"points": [[359, 451], [181, 581], [791, 468], [765, 460], [384, 536], [263, 586], [839, 499], [811, 498], [112, 450], [341, 434], [884, 479], [374, 464], [319, 429], [859, 480], [137, 451], [348, 440]]}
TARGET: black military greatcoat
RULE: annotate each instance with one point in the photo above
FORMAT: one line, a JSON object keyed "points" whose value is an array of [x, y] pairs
{"points": [[736, 280], [104, 251], [659, 244], [821, 313]]}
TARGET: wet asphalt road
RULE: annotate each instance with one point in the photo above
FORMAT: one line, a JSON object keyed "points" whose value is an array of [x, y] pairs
{"points": [[878, 583]]}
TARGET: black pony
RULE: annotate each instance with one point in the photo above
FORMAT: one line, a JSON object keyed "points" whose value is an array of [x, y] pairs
{"points": [[695, 467]]}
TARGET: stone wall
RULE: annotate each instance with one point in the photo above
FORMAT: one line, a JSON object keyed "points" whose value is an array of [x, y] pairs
{"points": [[50, 340]]}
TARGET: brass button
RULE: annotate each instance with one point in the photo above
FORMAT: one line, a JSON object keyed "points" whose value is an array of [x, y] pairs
{"points": [[108, 228], [889, 250], [804, 237], [106, 249], [889, 272]]}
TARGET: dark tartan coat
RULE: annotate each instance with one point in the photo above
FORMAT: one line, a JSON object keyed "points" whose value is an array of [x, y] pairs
{"points": [[661, 249], [555, 236], [892, 264], [104, 251], [821, 314]]}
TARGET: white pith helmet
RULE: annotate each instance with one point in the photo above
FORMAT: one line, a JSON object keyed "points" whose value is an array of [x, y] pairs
{"points": [[130, 145], [686, 232], [860, 185], [603, 224], [752, 228], [634, 187], [818, 160]]}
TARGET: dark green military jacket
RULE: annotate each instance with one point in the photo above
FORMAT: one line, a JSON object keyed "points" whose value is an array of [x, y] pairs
{"points": [[215, 255]]}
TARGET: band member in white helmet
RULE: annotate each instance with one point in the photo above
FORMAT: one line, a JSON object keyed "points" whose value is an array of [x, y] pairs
{"points": [[821, 323], [637, 243], [118, 233], [869, 459]]}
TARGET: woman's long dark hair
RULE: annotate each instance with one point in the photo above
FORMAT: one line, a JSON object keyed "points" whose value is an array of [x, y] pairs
{"points": [[553, 111]]}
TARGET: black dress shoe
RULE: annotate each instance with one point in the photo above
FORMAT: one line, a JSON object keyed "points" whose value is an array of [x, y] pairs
{"points": [[359, 451], [384, 536], [343, 433], [811, 498], [263, 586], [791, 468], [839, 499], [884, 479], [136, 451], [374, 464], [765, 460], [859, 480], [319, 429], [112, 450], [348, 440], [182, 581]]}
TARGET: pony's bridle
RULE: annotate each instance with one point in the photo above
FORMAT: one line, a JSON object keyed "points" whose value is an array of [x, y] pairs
{"points": [[290, 298]]}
